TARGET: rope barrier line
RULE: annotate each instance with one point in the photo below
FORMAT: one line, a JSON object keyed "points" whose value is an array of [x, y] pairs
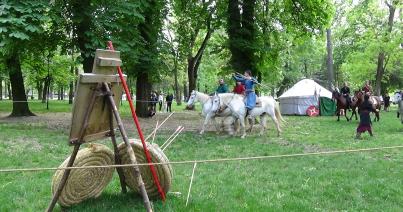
{"points": [[219, 160]]}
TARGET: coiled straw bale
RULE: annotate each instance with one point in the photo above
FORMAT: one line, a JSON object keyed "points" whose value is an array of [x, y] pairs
{"points": [[83, 184], [164, 172]]}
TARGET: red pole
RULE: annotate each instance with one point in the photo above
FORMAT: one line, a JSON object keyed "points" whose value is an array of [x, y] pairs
{"points": [[136, 121]]}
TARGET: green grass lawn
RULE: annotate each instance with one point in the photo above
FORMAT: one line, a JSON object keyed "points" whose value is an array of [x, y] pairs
{"points": [[368, 181]]}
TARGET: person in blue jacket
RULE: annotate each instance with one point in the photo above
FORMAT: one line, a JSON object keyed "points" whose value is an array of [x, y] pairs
{"points": [[249, 83]]}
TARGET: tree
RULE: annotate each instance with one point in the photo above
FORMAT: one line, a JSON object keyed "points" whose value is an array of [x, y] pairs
{"points": [[259, 31], [192, 19], [382, 55], [21, 22], [149, 60]]}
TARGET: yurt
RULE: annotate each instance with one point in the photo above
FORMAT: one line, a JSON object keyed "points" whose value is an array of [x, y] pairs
{"points": [[305, 93]]}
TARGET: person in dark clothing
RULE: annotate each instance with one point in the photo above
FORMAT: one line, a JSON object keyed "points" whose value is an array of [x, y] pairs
{"points": [[222, 87], [169, 100], [365, 119], [345, 91], [386, 102]]}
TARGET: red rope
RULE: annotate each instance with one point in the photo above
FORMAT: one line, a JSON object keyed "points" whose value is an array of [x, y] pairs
{"points": [[136, 121]]}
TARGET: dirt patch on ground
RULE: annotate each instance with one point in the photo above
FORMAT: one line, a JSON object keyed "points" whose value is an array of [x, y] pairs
{"points": [[191, 120]]}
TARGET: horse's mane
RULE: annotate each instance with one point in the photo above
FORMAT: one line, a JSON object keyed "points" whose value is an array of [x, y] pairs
{"points": [[226, 97]]}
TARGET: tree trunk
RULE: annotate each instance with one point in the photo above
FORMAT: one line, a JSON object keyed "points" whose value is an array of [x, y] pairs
{"points": [[329, 60], [233, 30], [143, 93], [45, 90], [1, 88], [194, 62], [380, 69], [9, 92], [20, 104], [39, 87], [185, 91], [379, 73], [82, 25], [176, 86]]}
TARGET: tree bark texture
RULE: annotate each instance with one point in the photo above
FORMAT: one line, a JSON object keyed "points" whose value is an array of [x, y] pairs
{"points": [[143, 93], [1, 88], [82, 21], [329, 60], [241, 32], [20, 104]]}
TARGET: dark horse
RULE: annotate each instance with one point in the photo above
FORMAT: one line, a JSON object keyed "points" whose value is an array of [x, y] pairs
{"points": [[375, 100], [342, 105]]}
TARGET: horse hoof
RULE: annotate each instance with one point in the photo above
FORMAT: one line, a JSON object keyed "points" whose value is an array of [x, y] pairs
{"points": [[201, 132], [243, 136]]}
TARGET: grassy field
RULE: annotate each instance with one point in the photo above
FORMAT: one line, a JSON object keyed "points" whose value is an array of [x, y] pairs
{"points": [[368, 181]]}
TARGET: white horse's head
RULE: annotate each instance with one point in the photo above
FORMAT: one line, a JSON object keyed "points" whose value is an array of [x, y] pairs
{"points": [[215, 103], [192, 98]]}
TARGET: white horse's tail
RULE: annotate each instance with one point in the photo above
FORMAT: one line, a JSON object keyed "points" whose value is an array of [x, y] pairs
{"points": [[278, 113]]}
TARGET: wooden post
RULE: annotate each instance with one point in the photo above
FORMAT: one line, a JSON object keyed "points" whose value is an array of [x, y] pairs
{"points": [[118, 160], [129, 149]]}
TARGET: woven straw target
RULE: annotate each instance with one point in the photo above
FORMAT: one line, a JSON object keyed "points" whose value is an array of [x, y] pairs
{"points": [[83, 184], [164, 172]]}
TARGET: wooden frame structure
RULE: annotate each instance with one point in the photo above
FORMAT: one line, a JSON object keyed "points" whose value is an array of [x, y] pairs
{"points": [[95, 115]]}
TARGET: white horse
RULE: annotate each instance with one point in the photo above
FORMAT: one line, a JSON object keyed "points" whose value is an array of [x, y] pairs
{"points": [[268, 106], [209, 114]]}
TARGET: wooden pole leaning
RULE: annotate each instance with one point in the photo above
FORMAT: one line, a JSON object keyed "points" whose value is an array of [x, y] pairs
{"points": [[129, 149], [118, 160], [73, 156]]}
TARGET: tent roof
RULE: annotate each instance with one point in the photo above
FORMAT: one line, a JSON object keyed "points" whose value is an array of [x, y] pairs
{"points": [[306, 87]]}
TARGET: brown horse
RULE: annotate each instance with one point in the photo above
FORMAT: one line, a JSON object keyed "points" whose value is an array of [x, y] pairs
{"points": [[342, 105], [375, 100]]}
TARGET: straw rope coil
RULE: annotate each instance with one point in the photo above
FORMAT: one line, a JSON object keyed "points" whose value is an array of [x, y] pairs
{"points": [[164, 171], [83, 184]]}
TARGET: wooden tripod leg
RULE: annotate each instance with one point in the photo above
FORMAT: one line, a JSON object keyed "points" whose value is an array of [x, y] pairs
{"points": [[64, 178], [118, 160], [129, 149], [73, 156]]}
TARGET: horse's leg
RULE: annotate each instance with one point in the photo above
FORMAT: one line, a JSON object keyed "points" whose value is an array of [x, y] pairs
{"points": [[276, 122], [262, 124], [345, 115], [251, 121], [242, 123], [206, 120], [338, 115]]}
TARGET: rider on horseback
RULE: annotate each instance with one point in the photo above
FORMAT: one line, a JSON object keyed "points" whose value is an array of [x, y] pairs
{"points": [[249, 83], [345, 91], [367, 88]]}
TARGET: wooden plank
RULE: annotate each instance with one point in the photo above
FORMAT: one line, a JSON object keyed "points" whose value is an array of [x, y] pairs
{"points": [[106, 61], [99, 122], [98, 78], [96, 69]]}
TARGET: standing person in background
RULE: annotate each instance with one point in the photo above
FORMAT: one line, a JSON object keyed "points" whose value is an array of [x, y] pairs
{"points": [[160, 101], [386, 102], [222, 87], [169, 100]]}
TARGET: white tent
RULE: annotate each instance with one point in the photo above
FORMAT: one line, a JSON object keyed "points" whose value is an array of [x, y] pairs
{"points": [[297, 99]]}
